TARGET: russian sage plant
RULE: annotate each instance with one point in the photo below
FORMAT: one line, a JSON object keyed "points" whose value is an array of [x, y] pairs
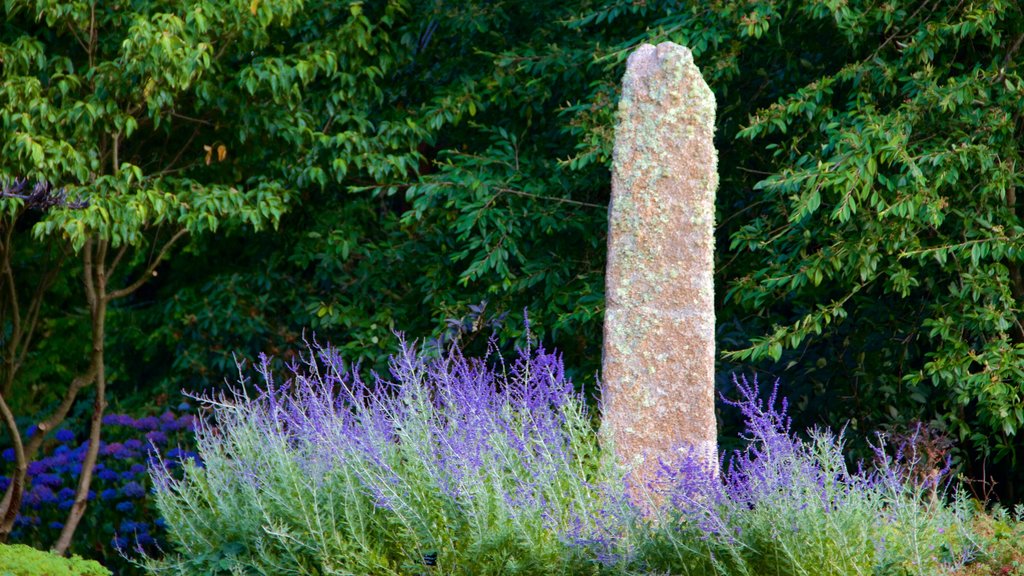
{"points": [[453, 466], [783, 506]]}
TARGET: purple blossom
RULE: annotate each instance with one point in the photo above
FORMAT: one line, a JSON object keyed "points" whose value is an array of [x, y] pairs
{"points": [[133, 490], [130, 526], [147, 423], [111, 449], [65, 435], [46, 495], [50, 480], [118, 420]]}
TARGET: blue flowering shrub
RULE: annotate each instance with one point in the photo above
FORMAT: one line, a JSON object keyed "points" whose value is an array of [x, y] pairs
{"points": [[121, 515], [476, 467]]}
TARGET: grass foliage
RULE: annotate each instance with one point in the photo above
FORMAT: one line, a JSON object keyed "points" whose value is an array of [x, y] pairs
{"points": [[478, 466]]}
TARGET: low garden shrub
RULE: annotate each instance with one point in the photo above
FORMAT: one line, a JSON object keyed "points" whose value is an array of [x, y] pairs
{"points": [[463, 466], [121, 513], [789, 506], [22, 560]]}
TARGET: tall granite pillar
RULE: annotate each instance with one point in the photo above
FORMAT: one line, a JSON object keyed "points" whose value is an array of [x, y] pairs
{"points": [[659, 328]]}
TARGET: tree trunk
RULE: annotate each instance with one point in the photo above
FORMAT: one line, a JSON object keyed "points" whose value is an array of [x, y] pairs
{"points": [[95, 280]]}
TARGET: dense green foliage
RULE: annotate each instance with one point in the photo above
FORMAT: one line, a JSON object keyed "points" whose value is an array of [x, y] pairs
{"points": [[478, 209], [890, 225], [21, 560], [867, 222]]}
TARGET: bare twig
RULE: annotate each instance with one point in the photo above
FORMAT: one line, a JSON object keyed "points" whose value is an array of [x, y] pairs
{"points": [[551, 198], [1008, 58]]}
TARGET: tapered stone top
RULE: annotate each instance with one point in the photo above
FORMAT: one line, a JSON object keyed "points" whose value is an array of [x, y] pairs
{"points": [[659, 332]]}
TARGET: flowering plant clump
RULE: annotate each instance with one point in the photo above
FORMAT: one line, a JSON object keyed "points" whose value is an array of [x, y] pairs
{"points": [[459, 466], [787, 506], [455, 466], [121, 514]]}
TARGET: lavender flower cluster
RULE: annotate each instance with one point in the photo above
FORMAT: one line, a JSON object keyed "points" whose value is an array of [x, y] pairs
{"points": [[121, 515], [453, 463], [786, 502], [462, 466]]}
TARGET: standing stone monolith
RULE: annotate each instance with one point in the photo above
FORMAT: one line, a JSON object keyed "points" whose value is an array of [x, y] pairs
{"points": [[659, 328]]}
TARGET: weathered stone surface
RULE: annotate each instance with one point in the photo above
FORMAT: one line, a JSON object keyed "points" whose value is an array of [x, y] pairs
{"points": [[659, 328]]}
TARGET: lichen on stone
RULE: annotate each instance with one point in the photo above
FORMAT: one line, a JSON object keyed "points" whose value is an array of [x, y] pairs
{"points": [[659, 324]]}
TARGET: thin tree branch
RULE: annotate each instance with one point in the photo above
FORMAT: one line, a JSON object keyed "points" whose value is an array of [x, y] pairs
{"points": [[60, 413], [32, 316], [92, 35], [191, 119], [167, 169], [551, 198], [78, 37], [15, 309], [1008, 58], [117, 259], [90, 290], [12, 498], [149, 269]]}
